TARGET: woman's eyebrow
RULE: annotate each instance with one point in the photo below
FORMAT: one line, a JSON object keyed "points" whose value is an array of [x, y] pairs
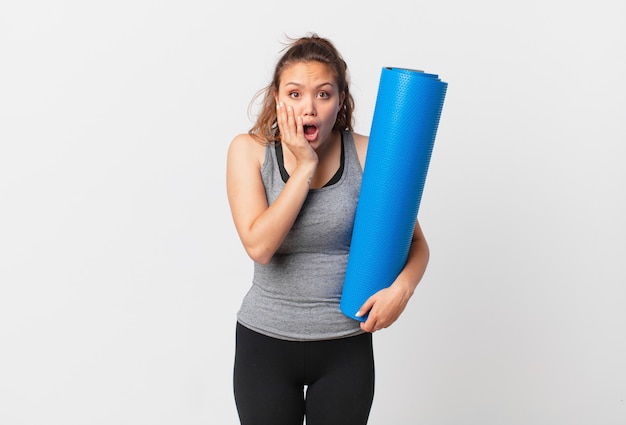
{"points": [[293, 83]]}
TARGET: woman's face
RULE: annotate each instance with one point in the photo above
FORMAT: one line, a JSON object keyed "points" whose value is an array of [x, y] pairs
{"points": [[310, 88]]}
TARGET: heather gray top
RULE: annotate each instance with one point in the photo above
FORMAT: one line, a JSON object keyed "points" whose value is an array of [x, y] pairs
{"points": [[296, 296]]}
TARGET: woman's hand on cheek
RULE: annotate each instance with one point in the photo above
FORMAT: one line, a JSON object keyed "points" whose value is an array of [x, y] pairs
{"points": [[288, 124], [292, 133]]}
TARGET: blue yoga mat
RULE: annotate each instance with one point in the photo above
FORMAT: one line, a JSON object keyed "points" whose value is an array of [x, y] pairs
{"points": [[404, 126]]}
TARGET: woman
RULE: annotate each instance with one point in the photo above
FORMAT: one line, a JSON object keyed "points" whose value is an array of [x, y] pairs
{"points": [[293, 183]]}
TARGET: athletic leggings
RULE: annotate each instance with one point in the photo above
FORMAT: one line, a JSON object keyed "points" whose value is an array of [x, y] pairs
{"points": [[278, 382]]}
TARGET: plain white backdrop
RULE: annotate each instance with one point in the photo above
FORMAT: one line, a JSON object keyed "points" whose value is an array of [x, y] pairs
{"points": [[121, 272]]}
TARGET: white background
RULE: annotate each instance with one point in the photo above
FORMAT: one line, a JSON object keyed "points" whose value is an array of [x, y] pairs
{"points": [[120, 269]]}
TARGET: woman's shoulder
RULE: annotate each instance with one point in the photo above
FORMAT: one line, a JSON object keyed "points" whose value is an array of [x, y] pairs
{"points": [[360, 139], [245, 146], [360, 142], [248, 141]]}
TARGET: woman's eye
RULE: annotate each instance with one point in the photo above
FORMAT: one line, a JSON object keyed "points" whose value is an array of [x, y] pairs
{"points": [[324, 95], [294, 94]]}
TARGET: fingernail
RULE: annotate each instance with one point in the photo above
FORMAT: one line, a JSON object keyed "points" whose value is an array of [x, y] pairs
{"points": [[358, 313]]}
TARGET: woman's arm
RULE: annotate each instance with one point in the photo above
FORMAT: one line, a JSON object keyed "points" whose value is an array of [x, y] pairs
{"points": [[261, 227], [386, 305]]}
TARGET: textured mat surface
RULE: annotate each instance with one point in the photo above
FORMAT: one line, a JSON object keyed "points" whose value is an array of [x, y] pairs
{"points": [[401, 140]]}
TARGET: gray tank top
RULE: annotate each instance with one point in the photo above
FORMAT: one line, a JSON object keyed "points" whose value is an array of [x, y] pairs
{"points": [[296, 296]]}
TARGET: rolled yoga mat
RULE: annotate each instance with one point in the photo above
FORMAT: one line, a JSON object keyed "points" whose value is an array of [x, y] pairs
{"points": [[404, 125]]}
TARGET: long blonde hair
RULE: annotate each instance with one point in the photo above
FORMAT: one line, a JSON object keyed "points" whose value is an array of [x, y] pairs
{"points": [[305, 49]]}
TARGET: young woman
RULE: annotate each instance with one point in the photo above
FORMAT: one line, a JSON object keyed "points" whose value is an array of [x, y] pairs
{"points": [[293, 183]]}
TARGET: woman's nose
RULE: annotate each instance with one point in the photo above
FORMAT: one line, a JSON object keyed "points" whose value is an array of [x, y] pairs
{"points": [[308, 107]]}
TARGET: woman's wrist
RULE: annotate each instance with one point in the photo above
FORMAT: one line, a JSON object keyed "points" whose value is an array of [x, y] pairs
{"points": [[305, 170]]}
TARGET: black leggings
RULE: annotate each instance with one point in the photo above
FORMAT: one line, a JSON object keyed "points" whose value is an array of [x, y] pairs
{"points": [[270, 377]]}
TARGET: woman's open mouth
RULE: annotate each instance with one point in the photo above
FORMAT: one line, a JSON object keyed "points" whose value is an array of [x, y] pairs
{"points": [[310, 132]]}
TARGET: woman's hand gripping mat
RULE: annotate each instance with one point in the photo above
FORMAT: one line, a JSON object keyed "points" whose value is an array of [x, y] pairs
{"points": [[404, 125]]}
